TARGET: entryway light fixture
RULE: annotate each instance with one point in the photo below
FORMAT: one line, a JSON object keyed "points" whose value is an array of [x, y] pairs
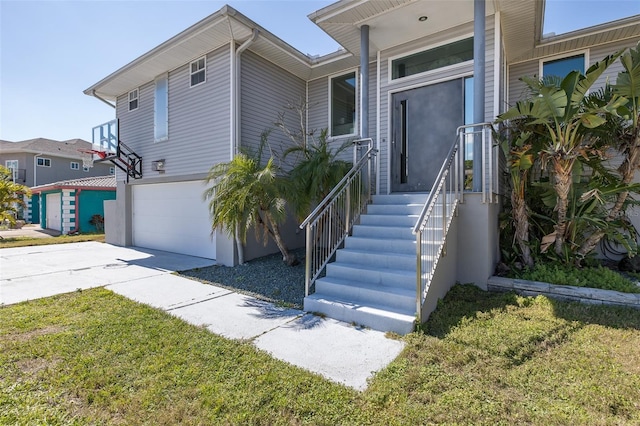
{"points": [[422, 18]]}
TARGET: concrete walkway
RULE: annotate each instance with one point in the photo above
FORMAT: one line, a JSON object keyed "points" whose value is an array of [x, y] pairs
{"points": [[335, 350]]}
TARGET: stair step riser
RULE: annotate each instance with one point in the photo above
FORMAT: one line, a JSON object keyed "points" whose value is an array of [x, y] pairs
{"points": [[367, 295], [350, 315], [395, 232], [380, 260], [388, 220], [371, 276], [381, 245], [394, 209], [400, 199]]}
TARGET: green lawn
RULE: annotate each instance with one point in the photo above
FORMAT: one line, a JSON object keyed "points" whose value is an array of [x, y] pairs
{"points": [[93, 357], [30, 241]]}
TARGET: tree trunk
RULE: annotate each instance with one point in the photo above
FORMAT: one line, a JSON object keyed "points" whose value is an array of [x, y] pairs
{"points": [[562, 187], [627, 170], [239, 247], [288, 257], [521, 222]]}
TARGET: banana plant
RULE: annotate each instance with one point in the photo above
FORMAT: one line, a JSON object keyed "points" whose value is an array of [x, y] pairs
{"points": [[627, 133], [565, 118]]}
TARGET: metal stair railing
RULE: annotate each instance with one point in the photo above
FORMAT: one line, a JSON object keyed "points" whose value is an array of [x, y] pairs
{"points": [[438, 211], [331, 221]]}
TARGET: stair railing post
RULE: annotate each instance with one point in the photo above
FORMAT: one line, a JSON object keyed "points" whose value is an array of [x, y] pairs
{"points": [[347, 208], [307, 263], [419, 276]]}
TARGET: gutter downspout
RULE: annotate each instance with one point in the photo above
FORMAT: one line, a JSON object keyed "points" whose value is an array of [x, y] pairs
{"points": [[236, 89], [479, 46], [364, 81], [95, 95]]}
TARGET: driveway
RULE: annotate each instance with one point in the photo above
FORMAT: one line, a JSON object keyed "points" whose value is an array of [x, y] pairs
{"points": [[333, 349]]}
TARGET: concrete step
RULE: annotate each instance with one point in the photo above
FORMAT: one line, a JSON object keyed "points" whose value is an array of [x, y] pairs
{"points": [[393, 232], [372, 275], [381, 245], [414, 198], [398, 298], [388, 220], [394, 209], [375, 316], [377, 259]]}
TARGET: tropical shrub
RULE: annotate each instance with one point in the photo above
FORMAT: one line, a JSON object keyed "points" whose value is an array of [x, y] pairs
{"points": [[11, 196]]}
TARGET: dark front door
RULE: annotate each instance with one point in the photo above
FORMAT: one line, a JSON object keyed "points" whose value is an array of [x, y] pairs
{"points": [[424, 123]]}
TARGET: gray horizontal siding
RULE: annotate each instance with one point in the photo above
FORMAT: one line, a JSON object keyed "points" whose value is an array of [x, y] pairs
{"points": [[199, 121], [518, 90], [266, 91]]}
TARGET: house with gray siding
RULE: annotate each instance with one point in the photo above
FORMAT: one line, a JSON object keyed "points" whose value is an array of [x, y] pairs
{"points": [[414, 84], [42, 161]]}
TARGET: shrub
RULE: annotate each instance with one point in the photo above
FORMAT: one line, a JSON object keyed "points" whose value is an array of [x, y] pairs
{"points": [[594, 277]]}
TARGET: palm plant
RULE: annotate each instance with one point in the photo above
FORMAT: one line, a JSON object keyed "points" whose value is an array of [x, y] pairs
{"points": [[11, 196], [562, 113], [317, 171], [245, 194]]}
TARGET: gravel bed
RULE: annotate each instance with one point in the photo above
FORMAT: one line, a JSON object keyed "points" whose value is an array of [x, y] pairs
{"points": [[267, 278]]}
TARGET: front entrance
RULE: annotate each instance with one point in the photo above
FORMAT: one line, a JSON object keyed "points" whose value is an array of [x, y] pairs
{"points": [[423, 128]]}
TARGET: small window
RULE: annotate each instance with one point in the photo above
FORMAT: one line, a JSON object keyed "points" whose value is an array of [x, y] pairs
{"points": [[43, 162], [438, 57], [563, 66], [133, 100], [112, 170], [161, 110], [198, 69], [75, 165], [343, 104], [13, 165], [85, 169]]}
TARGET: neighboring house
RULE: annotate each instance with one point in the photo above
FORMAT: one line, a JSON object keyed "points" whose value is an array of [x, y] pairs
{"points": [[41, 161], [410, 72], [68, 206]]}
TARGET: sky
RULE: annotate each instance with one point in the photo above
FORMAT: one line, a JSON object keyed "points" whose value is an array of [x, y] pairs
{"points": [[52, 50]]}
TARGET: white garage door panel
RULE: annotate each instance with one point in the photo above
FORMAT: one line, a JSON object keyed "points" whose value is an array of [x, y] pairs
{"points": [[173, 217], [54, 203]]}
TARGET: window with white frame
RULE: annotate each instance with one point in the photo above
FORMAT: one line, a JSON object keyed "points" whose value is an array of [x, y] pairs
{"points": [[112, 170], [13, 165], [161, 110], [43, 162], [75, 165], [342, 114], [198, 71], [85, 168], [133, 100], [431, 59], [560, 67]]}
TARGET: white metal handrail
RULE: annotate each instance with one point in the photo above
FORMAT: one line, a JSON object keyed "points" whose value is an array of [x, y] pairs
{"points": [[441, 205], [331, 221]]}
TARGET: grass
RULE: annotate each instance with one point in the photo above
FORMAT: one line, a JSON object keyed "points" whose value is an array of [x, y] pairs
{"points": [[30, 241], [594, 277], [93, 357]]}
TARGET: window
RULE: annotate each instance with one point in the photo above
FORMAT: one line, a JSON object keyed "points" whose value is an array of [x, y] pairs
{"points": [[85, 168], [198, 68], [161, 110], [112, 170], [133, 100], [75, 165], [438, 57], [342, 92], [13, 166], [43, 162], [563, 66]]}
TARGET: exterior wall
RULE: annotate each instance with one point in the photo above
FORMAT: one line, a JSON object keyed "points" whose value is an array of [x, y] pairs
{"points": [[91, 203], [117, 217], [266, 91], [199, 122], [518, 90]]}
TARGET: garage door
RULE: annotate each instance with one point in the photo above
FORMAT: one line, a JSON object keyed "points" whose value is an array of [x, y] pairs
{"points": [[173, 217], [54, 206]]}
